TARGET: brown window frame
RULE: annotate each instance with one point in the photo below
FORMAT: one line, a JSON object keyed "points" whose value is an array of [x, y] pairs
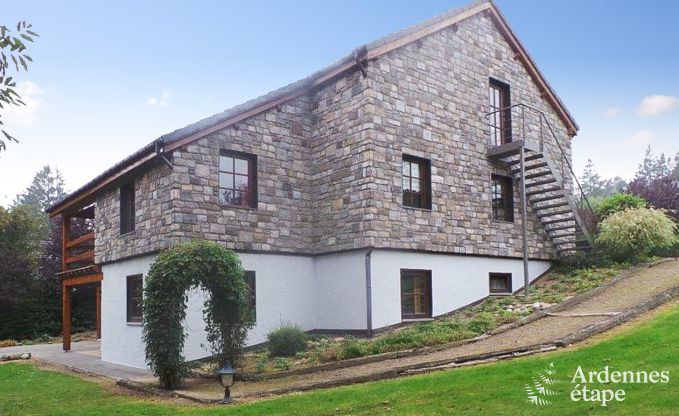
{"points": [[251, 175], [134, 301], [127, 208], [508, 284], [506, 184], [499, 98], [416, 274], [251, 282], [410, 198]]}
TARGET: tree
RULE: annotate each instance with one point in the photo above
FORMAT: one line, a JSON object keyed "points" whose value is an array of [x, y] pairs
{"points": [[46, 189], [659, 192], [592, 185], [675, 171], [22, 229], [12, 50]]}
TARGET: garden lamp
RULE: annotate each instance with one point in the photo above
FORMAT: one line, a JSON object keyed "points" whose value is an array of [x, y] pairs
{"points": [[226, 377]]}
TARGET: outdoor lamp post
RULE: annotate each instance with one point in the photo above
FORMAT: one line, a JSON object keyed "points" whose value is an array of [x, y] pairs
{"points": [[226, 378]]}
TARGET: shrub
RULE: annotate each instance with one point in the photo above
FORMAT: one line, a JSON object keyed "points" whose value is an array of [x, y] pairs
{"points": [[8, 343], [195, 264], [287, 341], [617, 203], [482, 323], [262, 362], [282, 363], [635, 233], [353, 348]]}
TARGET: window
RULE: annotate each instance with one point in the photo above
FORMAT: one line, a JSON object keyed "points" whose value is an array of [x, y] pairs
{"points": [[415, 294], [127, 208], [503, 198], [135, 290], [500, 283], [238, 179], [416, 182], [500, 114], [252, 293]]}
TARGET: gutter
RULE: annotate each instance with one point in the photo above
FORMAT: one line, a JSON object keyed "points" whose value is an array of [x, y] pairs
{"points": [[368, 293]]}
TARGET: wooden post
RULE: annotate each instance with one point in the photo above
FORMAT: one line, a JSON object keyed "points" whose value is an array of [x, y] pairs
{"points": [[66, 315], [98, 291]]}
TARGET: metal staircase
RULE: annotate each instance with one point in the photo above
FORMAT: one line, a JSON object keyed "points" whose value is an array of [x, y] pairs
{"points": [[527, 146]]}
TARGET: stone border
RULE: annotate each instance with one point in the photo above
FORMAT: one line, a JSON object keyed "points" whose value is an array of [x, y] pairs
{"points": [[463, 361]]}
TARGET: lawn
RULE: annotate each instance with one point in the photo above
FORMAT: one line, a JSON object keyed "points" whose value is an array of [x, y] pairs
{"points": [[496, 389]]}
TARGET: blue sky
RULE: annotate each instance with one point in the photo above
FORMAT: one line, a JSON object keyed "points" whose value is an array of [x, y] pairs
{"points": [[110, 76]]}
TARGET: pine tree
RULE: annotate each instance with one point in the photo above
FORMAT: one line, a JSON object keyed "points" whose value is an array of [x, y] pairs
{"points": [[645, 171], [592, 185], [46, 189]]}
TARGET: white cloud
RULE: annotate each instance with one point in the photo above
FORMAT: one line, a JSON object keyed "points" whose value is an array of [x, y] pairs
{"points": [[25, 115], [160, 101], [641, 138], [655, 105], [612, 111]]}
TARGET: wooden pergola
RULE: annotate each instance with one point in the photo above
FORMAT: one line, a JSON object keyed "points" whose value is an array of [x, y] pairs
{"points": [[78, 268]]}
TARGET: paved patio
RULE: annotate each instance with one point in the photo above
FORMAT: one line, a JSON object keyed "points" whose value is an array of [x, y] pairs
{"points": [[84, 356]]}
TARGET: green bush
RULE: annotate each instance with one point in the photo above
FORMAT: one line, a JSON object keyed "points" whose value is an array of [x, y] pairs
{"points": [[262, 362], [287, 341], [282, 363], [353, 348], [617, 203], [195, 264], [482, 323], [636, 232]]}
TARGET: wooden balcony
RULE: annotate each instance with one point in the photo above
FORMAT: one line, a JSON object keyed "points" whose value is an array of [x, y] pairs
{"points": [[78, 265]]}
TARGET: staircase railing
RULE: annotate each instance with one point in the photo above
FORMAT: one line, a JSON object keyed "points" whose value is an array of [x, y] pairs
{"points": [[525, 122]]}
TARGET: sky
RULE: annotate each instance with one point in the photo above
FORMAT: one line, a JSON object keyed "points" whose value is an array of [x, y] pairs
{"points": [[109, 77]]}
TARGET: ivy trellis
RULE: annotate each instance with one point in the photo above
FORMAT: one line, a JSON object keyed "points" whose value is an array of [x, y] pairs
{"points": [[185, 266]]}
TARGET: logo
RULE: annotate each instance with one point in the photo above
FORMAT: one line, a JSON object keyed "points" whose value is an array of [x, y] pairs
{"points": [[539, 391], [599, 386]]}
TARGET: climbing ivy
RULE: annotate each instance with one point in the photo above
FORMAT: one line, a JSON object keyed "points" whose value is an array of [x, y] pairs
{"points": [[196, 264]]}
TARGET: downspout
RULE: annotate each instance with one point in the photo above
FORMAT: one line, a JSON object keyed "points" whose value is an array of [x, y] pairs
{"points": [[368, 293], [159, 146]]}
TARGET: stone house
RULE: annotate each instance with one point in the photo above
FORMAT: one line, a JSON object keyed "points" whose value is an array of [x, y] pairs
{"points": [[423, 172]]}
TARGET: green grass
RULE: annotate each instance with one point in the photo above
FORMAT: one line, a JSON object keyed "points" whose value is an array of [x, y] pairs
{"points": [[495, 389]]}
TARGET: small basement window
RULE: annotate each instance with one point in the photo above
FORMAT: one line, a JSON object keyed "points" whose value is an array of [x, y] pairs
{"points": [[500, 283], [416, 182], [415, 294], [135, 294]]}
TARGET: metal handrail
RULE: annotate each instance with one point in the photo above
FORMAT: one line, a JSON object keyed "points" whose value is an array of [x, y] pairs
{"points": [[551, 130]]}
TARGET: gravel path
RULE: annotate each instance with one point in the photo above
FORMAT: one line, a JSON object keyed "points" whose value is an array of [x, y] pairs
{"points": [[622, 295]]}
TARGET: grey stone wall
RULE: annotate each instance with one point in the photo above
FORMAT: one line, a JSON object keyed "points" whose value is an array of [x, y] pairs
{"points": [[153, 209], [329, 162]]}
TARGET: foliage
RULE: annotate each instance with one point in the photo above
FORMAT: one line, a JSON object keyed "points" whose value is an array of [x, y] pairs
{"points": [[262, 362], [595, 187], [21, 231], [8, 343], [282, 363], [46, 189], [635, 233], [660, 192], [12, 47], [195, 264], [616, 203], [286, 341], [31, 256], [465, 390]]}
